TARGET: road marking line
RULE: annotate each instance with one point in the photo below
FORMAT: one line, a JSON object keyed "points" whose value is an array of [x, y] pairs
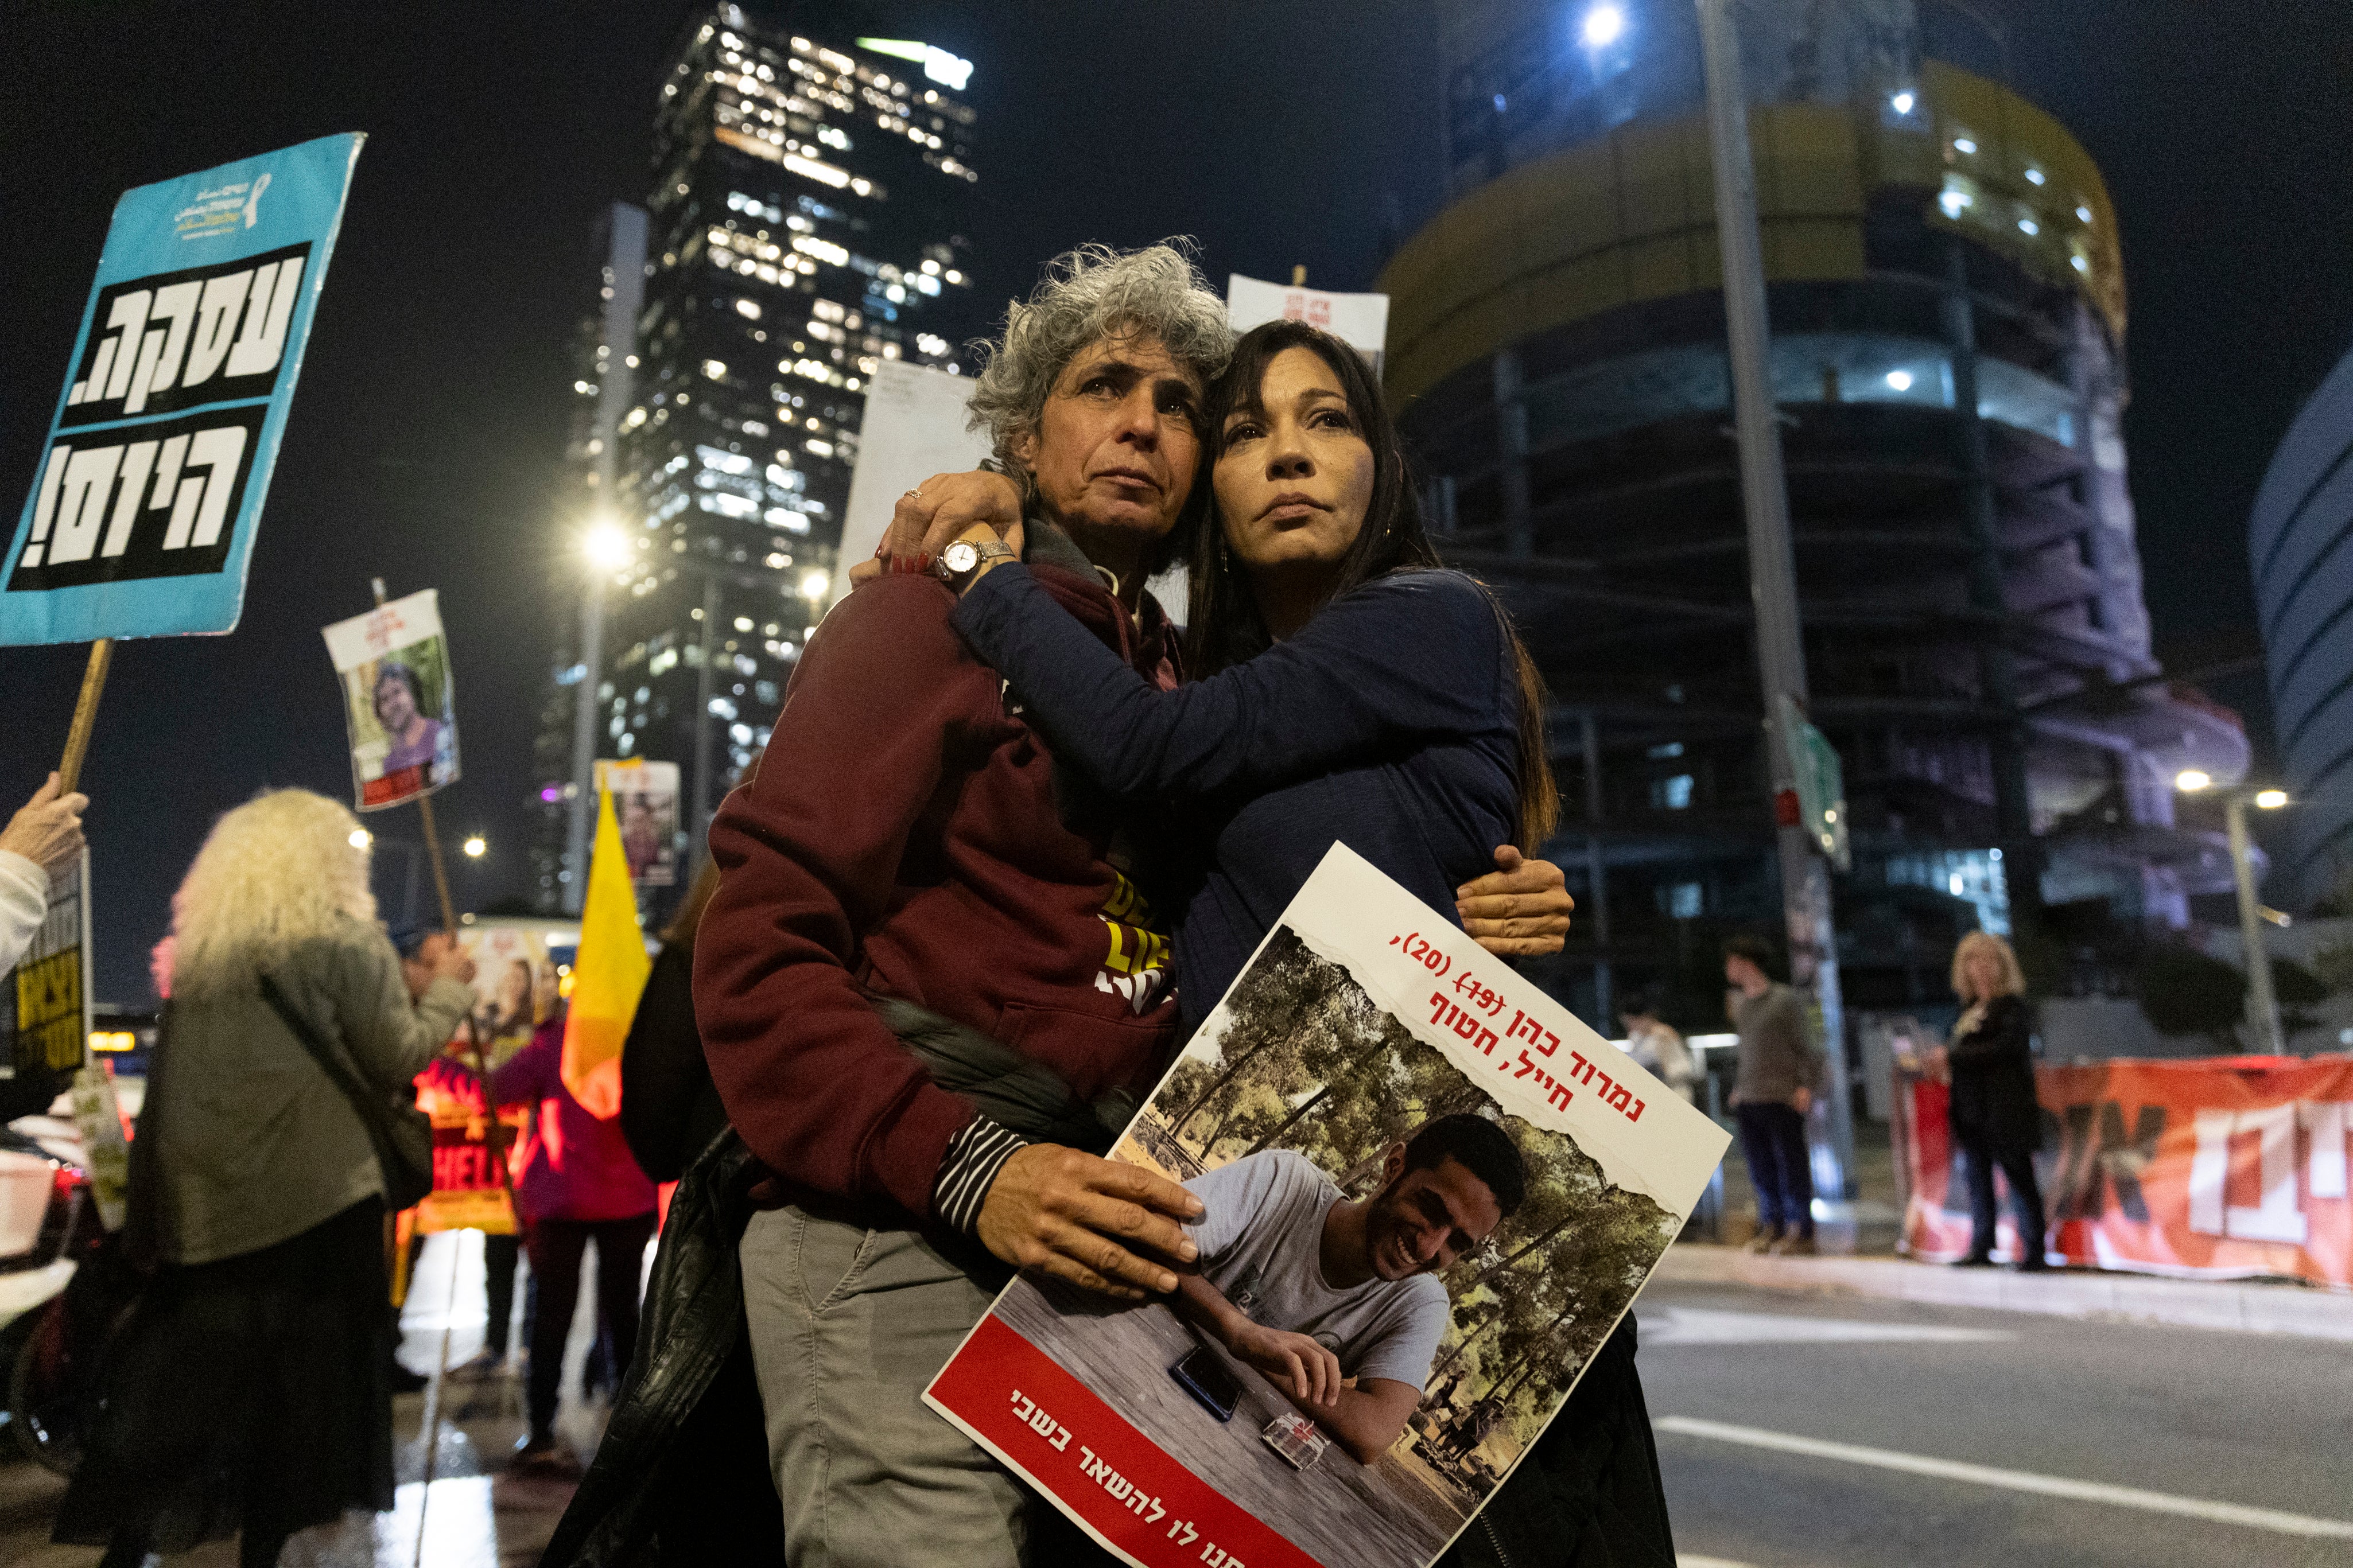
{"points": [[1712, 1326], [2016, 1481]]}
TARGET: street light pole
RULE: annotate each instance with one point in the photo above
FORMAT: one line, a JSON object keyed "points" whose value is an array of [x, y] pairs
{"points": [[586, 710], [1773, 579], [2262, 1003]]}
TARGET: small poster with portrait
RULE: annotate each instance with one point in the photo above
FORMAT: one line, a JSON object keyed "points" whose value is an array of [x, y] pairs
{"points": [[645, 803], [518, 986], [400, 702], [1428, 1195]]}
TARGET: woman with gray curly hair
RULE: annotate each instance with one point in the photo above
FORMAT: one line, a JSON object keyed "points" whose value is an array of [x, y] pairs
{"points": [[248, 1392], [1109, 343]]}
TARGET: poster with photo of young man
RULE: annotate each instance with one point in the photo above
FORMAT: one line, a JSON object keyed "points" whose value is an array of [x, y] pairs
{"points": [[1429, 1194]]}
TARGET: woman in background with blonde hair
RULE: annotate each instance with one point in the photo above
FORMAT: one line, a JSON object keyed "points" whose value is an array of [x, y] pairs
{"points": [[1995, 1119], [247, 1393]]}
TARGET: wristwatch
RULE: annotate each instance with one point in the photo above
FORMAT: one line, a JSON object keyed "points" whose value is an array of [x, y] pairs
{"points": [[962, 560]]}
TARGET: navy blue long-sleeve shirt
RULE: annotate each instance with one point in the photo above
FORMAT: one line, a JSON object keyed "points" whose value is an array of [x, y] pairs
{"points": [[1390, 721]]}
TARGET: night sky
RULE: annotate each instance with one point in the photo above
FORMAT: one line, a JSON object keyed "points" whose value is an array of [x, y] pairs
{"points": [[429, 422]]}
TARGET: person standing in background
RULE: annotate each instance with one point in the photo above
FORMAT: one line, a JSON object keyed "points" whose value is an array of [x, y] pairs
{"points": [[1995, 1119], [1657, 1047], [576, 1183], [670, 1109], [45, 834], [246, 1392], [1780, 1069]]}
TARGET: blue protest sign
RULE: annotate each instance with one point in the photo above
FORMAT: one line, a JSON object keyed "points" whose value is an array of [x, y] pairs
{"points": [[143, 509]]}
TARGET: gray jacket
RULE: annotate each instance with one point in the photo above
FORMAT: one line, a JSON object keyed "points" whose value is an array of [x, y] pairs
{"points": [[254, 1144], [1777, 1054]]}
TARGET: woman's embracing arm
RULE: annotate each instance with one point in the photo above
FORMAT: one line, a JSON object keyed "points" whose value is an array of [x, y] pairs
{"points": [[1410, 656]]}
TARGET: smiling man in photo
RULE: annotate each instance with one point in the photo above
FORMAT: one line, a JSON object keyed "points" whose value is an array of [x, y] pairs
{"points": [[1337, 1302]]}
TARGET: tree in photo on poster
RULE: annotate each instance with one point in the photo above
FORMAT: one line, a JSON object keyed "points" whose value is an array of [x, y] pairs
{"points": [[1527, 1305]]}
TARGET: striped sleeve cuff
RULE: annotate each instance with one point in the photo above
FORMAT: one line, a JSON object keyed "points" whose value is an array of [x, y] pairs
{"points": [[974, 1157]]}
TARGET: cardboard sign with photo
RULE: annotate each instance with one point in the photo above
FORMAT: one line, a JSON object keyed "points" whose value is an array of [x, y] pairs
{"points": [[516, 986], [400, 700], [645, 804], [1431, 1192]]}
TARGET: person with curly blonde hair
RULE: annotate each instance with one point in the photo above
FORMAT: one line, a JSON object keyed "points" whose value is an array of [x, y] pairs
{"points": [[248, 1392], [1995, 1119]]}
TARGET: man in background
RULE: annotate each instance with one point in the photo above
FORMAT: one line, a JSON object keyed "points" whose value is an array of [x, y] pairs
{"points": [[1773, 1088]]}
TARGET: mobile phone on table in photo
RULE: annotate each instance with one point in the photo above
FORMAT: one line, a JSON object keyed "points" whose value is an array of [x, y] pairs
{"points": [[1299, 1440], [1204, 1376]]}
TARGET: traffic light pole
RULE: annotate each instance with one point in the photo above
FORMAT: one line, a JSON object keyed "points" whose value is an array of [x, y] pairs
{"points": [[1773, 581]]}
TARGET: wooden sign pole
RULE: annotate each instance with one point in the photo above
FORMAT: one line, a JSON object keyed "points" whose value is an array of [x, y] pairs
{"points": [[493, 1134], [85, 715], [432, 839]]}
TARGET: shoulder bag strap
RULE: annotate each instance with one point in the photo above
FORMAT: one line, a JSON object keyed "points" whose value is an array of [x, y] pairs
{"points": [[369, 1108]]}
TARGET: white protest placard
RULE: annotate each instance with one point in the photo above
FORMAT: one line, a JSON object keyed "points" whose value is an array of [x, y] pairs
{"points": [[44, 1001], [1415, 1164], [913, 427], [1360, 321]]}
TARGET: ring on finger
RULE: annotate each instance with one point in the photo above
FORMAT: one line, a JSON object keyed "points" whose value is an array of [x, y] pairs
{"points": [[917, 493]]}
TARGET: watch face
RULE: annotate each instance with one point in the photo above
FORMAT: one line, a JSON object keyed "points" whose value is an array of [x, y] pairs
{"points": [[961, 557]]}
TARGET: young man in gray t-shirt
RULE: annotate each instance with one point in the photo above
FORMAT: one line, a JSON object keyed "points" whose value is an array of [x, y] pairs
{"points": [[1335, 1302]]}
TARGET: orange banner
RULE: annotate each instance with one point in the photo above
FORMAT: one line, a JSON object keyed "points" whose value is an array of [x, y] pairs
{"points": [[2231, 1167]]}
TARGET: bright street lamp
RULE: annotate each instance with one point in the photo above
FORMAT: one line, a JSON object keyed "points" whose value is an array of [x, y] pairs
{"points": [[814, 585], [475, 847], [2271, 799], [1604, 25], [607, 547], [1902, 102], [2192, 780]]}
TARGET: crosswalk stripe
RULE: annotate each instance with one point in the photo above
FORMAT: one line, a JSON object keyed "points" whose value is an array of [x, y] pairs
{"points": [[2270, 1519]]}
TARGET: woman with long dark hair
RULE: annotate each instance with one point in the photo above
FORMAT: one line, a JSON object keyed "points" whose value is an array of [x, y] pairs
{"points": [[1348, 687]]}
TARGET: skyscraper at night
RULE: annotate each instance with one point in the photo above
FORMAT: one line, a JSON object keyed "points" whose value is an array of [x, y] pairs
{"points": [[1947, 307], [805, 223], [2300, 543]]}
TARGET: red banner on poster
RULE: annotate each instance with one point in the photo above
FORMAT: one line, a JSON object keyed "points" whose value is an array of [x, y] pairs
{"points": [[2232, 1167], [468, 1193], [1132, 1495]]}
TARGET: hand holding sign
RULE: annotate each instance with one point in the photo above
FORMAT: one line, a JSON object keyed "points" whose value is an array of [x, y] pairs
{"points": [[48, 829]]}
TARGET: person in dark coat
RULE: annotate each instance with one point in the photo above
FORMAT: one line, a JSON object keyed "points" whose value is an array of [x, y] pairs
{"points": [[670, 1109], [577, 1182], [1994, 1116]]}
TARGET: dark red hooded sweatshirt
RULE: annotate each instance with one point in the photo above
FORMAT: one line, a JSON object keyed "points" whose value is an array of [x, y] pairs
{"points": [[908, 833]]}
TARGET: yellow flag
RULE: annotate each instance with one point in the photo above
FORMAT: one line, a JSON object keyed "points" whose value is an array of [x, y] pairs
{"points": [[608, 973]]}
